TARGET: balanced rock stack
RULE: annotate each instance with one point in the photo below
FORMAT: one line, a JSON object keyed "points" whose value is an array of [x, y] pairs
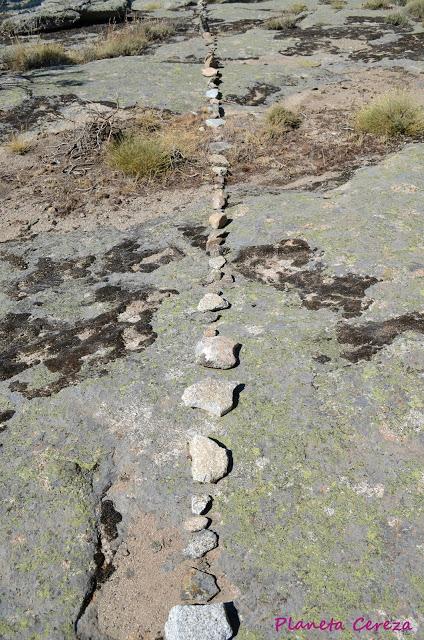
{"points": [[210, 460]]}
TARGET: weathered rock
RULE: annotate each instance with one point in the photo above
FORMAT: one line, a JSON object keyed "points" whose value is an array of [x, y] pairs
{"points": [[198, 622], [215, 287], [199, 586], [209, 332], [215, 122], [219, 171], [197, 523], [219, 146], [212, 93], [211, 61], [209, 460], [218, 158], [215, 110], [209, 72], [217, 263], [212, 302], [214, 396], [201, 543], [216, 352], [53, 15], [201, 504], [218, 220], [213, 247], [213, 276]]}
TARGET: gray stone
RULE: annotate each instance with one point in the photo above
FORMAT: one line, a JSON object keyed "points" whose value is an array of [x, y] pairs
{"points": [[219, 171], [218, 220], [198, 622], [215, 122], [197, 523], [217, 263], [201, 504], [214, 396], [219, 146], [216, 352], [201, 543], [212, 302], [212, 93], [199, 586], [209, 461], [218, 158]]}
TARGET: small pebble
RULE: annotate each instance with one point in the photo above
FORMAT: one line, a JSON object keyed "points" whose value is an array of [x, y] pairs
{"points": [[217, 263], [219, 199], [210, 332], [197, 523], [209, 72], [198, 622], [218, 220], [199, 586], [216, 352], [212, 302], [219, 171], [201, 504], [212, 93], [211, 395], [215, 122], [218, 158], [201, 543]]}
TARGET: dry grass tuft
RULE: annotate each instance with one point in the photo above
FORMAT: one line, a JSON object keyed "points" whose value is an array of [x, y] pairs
{"points": [[296, 8], [140, 156], [19, 145], [282, 22], [390, 116], [130, 40], [158, 145], [278, 120], [415, 8], [397, 19], [23, 57], [376, 4]]}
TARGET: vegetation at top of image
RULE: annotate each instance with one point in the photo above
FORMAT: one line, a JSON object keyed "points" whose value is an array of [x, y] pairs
{"points": [[18, 144], [278, 120], [129, 40], [288, 19], [334, 4], [415, 8], [23, 57], [376, 4], [392, 115], [397, 19]]}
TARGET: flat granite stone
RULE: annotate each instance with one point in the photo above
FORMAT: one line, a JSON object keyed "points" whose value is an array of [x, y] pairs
{"points": [[212, 302], [198, 622], [216, 352], [214, 396], [200, 544], [209, 460], [199, 586]]}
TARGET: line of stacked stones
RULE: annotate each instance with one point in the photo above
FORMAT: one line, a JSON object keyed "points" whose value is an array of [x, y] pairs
{"points": [[209, 459]]}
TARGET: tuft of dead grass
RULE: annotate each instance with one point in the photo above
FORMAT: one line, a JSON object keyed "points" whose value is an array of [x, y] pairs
{"points": [[282, 22], [415, 8], [130, 40], [23, 57], [397, 19], [140, 156], [376, 4], [18, 144], [278, 120], [392, 115]]}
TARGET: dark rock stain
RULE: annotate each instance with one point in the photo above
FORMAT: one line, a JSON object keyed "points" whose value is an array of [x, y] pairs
{"points": [[367, 339], [64, 349], [258, 93], [109, 518], [195, 234], [291, 263], [127, 256]]}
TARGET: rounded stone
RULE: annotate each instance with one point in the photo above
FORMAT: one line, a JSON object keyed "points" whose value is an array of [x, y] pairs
{"points": [[217, 263], [214, 396], [209, 72], [216, 352], [218, 220], [212, 302]]}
